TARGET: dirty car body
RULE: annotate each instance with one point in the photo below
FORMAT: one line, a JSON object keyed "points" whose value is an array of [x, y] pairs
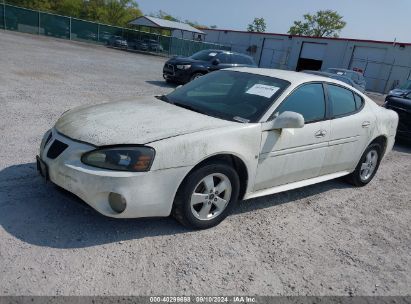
{"points": [[230, 135]]}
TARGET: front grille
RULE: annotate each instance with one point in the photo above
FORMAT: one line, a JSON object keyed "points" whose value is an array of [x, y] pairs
{"points": [[57, 147], [169, 69]]}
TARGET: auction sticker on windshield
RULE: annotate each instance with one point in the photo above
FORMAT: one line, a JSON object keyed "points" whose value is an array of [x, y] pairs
{"points": [[263, 90]]}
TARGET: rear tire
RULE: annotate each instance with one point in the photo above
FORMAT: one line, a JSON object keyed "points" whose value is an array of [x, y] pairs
{"points": [[367, 166], [206, 196]]}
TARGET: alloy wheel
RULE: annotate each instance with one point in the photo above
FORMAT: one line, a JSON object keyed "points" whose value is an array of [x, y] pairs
{"points": [[211, 196], [369, 165]]}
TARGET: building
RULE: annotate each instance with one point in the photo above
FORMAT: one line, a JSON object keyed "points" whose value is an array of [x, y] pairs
{"points": [[384, 64], [178, 29]]}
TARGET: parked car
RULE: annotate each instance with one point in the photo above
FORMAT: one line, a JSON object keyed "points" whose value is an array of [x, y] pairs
{"points": [[137, 44], [117, 41], [153, 45], [402, 90], [104, 37], [356, 77], [87, 34], [401, 105], [230, 135], [333, 76], [185, 69], [57, 28]]}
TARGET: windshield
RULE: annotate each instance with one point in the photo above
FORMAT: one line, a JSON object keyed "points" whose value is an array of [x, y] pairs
{"points": [[405, 86], [204, 55], [230, 95]]}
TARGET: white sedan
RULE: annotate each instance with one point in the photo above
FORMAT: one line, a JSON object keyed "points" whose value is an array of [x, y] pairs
{"points": [[231, 135]]}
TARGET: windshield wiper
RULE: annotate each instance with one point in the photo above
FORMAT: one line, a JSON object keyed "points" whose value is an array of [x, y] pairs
{"points": [[240, 119]]}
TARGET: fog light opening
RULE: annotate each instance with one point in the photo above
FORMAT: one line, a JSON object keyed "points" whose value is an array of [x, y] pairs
{"points": [[117, 202]]}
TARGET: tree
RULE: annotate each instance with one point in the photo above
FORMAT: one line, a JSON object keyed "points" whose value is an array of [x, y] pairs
{"points": [[258, 25], [114, 12], [72, 8], [164, 15], [326, 23], [120, 12]]}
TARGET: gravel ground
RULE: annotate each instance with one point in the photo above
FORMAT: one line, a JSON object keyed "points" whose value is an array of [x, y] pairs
{"points": [[326, 239]]}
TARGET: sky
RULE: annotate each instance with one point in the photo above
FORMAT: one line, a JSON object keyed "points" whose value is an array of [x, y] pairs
{"points": [[366, 19]]}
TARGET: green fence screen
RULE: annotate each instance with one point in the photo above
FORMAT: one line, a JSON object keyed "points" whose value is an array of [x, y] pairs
{"points": [[1, 16], [35, 22]]}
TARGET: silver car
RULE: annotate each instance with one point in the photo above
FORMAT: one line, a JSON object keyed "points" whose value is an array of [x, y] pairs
{"points": [[357, 78]]}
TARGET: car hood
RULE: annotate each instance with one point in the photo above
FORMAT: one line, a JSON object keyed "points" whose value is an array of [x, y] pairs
{"points": [[398, 92], [133, 122], [185, 60]]}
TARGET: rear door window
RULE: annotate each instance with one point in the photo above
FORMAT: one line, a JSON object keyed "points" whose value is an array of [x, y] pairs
{"points": [[224, 58], [239, 59], [342, 101], [358, 101]]}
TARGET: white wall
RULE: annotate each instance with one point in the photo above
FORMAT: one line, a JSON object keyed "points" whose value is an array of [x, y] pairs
{"points": [[283, 52]]}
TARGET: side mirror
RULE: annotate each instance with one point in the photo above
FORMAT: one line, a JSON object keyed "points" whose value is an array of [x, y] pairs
{"points": [[286, 120], [215, 61]]}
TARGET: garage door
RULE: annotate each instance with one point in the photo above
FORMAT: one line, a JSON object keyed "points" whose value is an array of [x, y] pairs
{"points": [[314, 51], [274, 54], [311, 56], [370, 61]]}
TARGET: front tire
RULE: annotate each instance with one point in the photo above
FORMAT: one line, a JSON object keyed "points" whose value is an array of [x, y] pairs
{"points": [[206, 196], [367, 166]]}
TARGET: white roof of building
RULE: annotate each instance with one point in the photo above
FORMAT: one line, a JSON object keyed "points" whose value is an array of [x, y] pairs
{"points": [[162, 23]]}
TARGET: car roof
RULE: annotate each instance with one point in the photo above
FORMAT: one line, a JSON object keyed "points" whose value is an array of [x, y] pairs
{"points": [[294, 78], [325, 74], [346, 71], [227, 52], [340, 69]]}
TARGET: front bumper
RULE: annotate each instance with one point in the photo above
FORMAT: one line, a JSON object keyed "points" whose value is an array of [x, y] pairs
{"points": [[147, 194], [170, 72]]}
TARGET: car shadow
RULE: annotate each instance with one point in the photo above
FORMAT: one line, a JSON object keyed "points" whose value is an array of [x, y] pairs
{"points": [[43, 214], [402, 146], [162, 84]]}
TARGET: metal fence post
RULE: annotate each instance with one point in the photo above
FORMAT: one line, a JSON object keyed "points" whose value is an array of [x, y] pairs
{"points": [[389, 76], [4, 14], [70, 27], [98, 32], [38, 32]]}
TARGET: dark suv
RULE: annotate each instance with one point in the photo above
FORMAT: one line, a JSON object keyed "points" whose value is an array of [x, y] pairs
{"points": [[185, 69]]}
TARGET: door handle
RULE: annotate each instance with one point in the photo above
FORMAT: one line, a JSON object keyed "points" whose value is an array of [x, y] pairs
{"points": [[366, 124], [320, 133]]}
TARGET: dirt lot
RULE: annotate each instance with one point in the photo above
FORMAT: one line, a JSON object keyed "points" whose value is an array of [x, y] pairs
{"points": [[327, 239]]}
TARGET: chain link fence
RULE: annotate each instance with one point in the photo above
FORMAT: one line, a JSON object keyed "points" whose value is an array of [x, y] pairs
{"points": [[24, 20]]}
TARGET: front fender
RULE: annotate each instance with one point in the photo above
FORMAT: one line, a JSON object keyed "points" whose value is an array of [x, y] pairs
{"points": [[189, 150]]}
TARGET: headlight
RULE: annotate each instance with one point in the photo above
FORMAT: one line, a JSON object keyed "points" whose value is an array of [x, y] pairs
{"points": [[127, 158], [45, 140], [183, 66]]}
